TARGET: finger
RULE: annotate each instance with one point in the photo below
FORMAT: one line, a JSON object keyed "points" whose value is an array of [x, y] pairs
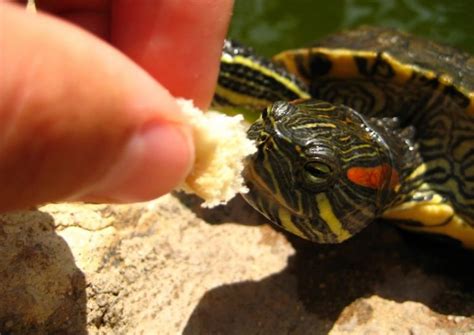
{"points": [[64, 6], [178, 42], [77, 119], [92, 15]]}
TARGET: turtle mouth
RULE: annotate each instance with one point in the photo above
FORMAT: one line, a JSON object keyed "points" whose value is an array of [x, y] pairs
{"points": [[255, 130]]}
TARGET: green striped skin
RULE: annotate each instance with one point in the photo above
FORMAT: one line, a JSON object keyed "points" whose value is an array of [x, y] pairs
{"points": [[248, 83], [313, 172], [299, 176]]}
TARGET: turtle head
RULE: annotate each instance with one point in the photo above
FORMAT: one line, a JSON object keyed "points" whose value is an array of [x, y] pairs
{"points": [[322, 171]]}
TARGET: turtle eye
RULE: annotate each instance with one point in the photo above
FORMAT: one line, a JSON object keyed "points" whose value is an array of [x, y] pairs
{"points": [[317, 173], [318, 169]]}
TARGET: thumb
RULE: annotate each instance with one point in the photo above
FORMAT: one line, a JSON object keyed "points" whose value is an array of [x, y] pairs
{"points": [[79, 120]]}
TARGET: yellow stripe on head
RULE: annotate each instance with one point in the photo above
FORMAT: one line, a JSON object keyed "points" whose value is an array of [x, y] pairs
{"points": [[287, 223], [327, 214]]}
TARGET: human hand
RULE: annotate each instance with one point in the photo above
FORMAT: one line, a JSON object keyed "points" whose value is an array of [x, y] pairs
{"points": [[81, 121]]}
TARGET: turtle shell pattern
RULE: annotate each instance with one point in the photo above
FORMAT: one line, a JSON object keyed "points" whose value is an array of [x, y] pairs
{"points": [[382, 72]]}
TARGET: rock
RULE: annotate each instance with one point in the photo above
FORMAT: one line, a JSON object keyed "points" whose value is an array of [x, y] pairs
{"points": [[170, 267]]}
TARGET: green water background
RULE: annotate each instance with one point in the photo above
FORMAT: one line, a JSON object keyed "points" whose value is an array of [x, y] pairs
{"points": [[270, 26]]}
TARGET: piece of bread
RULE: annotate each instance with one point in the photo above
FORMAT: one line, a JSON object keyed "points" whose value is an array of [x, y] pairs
{"points": [[221, 146]]}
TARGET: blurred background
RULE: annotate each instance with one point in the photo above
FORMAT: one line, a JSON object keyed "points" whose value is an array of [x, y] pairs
{"points": [[270, 26]]}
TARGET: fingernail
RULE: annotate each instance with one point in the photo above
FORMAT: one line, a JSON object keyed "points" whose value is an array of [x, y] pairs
{"points": [[154, 161]]}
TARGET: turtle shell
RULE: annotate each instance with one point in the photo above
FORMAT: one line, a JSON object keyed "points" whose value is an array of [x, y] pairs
{"points": [[382, 72]]}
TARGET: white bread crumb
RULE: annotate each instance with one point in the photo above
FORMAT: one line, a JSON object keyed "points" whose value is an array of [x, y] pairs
{"points": [[221, 147]]}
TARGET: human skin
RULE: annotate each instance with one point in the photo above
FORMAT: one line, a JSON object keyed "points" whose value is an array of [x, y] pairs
{"points": [[87, 96]]}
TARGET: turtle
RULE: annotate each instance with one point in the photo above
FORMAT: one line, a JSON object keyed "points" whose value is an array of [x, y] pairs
{"points": [[365, 124]]}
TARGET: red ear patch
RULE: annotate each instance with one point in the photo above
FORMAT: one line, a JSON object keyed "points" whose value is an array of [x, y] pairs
{"points": [[374, 177]]}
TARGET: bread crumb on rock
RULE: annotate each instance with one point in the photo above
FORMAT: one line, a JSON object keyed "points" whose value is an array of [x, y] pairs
{"points": [[221, 146]]}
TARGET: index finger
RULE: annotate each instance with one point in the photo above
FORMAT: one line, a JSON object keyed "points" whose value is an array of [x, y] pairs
{"points": [[178, 42]]}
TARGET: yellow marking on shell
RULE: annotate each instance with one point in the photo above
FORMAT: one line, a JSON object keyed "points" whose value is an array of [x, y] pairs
{"points": [[450, 184], [453, 187], [247, 62], [469, 172], [327, 214], [462, 149], [440, 163], [286, 59], [428, 213], [343, 61], [431, 141], [343, 66]]}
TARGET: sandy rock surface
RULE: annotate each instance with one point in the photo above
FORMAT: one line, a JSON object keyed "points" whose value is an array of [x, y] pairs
{"points": [[170, 267]]}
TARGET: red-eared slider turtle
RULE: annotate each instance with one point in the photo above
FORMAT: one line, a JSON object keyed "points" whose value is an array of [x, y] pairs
{"points": [[383, 127]]}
